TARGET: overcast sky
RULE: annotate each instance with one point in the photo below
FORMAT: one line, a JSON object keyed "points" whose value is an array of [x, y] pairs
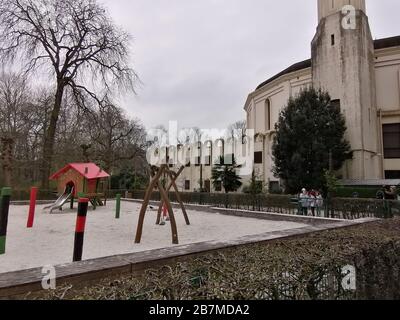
{"points": [[199, 59]]}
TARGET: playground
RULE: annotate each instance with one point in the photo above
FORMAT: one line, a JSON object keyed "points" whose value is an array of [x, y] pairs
{"points": [[51, 239]]}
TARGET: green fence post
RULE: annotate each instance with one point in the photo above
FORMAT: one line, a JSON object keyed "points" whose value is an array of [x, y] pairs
{"points": [[4, 209], [327, 207], [81, 195], [387, 213], [118, 207], [299, 208]]}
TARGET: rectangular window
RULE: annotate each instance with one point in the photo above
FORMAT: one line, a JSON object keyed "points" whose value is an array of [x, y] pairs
{"points": [[332, 39], [208, 161], [218, 186], [258, 157], [391, 141], [198, 161], [187, 184], [392, 174]]}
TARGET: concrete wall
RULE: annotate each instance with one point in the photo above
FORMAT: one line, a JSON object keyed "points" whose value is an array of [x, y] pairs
{"points": [[328, 7], [387, 71], [345, 68]]}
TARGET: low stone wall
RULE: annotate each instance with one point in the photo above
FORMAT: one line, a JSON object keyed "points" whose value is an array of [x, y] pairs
{"points": [[256, 214], [282, 217], [26, 202], [194, 207]]}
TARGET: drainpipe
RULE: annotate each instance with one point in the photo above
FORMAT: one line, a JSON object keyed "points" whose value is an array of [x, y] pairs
{"points": [[381, 160], [264, 160]]}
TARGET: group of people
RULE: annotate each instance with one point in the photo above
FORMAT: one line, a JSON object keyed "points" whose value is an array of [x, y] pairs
{"points": [[390, 193], [311, 200]]}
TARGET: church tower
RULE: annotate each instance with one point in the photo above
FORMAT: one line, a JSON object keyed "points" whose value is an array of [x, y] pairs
{"points": [[343, 65]]}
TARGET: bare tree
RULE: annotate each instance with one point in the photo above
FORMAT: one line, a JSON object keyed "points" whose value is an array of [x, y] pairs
{"points": [[115, 138], [75, 41], [238, 129], [14, 115]]}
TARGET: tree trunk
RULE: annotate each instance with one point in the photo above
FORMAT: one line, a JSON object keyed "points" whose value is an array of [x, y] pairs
{"points": [[50, 135], [7, 144], [108, 161], [85, 152]]}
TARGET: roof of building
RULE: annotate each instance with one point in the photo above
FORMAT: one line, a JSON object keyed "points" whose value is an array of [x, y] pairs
{"points": [[387, 42], [295, 67], [88, 170], [378, 44]]}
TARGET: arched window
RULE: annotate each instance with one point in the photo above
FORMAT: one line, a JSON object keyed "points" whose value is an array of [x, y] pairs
{"points": [[268, 114], [220, 152], [208, 157]]}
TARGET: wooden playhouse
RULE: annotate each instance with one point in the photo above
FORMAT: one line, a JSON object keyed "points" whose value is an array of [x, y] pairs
{"points": [[85, 180]]}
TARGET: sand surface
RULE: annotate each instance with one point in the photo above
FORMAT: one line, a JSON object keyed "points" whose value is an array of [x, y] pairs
{"points": [[50, 241]]}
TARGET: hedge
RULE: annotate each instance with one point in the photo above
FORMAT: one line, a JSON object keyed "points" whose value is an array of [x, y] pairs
{"points": [[365, 193], [305, 268]]}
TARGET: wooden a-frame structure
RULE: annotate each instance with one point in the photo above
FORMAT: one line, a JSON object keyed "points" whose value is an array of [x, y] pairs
{"points": [[156, 174]]}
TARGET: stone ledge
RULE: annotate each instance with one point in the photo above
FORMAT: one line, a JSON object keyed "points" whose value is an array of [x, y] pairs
{"points": [[175, 205], [280, 217], [26, 202]]}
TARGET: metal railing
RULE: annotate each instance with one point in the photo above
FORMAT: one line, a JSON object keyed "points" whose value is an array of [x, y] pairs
{"points": [[337, 208]]}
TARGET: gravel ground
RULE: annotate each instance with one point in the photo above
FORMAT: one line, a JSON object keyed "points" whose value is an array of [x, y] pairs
{"points": [[50, 241]]}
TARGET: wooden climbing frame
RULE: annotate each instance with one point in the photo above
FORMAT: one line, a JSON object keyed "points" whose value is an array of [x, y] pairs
{"points": [[156, 174]]}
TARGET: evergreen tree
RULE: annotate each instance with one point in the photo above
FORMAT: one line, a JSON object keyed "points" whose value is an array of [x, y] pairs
{"points": [[309, 132], [224, 172]]}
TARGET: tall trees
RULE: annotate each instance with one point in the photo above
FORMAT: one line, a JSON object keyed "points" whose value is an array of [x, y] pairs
{"points": [[78, 45], [14, 118], [109, 137], [238, 129], [114, 138], [309, 130]]}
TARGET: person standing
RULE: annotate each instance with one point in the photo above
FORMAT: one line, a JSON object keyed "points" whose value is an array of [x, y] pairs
{"points": [[320, 203], [304, 202], [312, 199], [389, 193], [393, 191]]}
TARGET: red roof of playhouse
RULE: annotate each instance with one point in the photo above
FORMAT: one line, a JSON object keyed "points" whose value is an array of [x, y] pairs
{"points": [[89, 170]]}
